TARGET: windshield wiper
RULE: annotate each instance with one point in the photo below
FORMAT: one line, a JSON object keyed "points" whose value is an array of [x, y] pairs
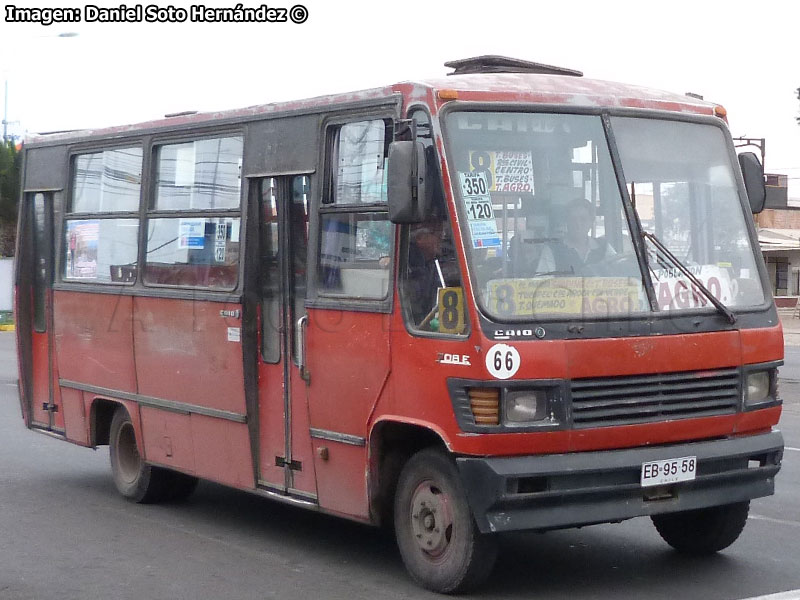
{"points": [[690, 276]]}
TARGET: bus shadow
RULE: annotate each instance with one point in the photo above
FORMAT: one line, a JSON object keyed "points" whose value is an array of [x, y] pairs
{"points": [[296, 529], [619, 561]]}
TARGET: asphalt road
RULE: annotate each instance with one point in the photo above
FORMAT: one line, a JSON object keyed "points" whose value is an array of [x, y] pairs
{"points": [[65, 534]]}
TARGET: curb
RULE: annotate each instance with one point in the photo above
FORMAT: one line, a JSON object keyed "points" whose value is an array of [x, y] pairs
{"points": [[10, 327]]}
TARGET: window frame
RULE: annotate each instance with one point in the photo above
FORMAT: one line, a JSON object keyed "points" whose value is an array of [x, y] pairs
{"points": [[317, 298], [148, 211], [66, 214], [403, 249]]}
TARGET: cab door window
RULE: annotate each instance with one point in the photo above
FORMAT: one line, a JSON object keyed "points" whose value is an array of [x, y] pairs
{"points": [[356, 237]]}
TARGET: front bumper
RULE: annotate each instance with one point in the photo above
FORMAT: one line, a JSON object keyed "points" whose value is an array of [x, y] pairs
{"points": [[583, 488]]}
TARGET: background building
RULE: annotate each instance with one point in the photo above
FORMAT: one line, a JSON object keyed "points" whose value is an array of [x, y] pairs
{"points": [[779, 237]]}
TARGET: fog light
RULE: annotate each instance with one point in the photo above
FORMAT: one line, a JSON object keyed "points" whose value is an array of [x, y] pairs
{"points": [[758, 387], [525, 406]]}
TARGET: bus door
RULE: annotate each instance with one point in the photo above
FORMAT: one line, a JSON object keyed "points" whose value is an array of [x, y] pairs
{"points": [[35, 307], [285, 459]]}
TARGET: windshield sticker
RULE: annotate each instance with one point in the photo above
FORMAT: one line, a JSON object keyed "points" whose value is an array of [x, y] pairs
{"points": [[503, 361], [507, 171], [589, 296], [674, 291], [480, 213]]}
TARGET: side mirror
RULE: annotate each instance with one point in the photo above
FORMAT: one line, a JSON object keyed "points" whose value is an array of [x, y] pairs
{"points": [[408, 201], [753, 174]]}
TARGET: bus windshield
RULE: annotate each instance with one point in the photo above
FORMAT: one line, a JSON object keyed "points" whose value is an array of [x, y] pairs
{"points": [[548, 235]]}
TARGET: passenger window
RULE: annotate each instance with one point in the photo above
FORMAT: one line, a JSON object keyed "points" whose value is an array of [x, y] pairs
{"points": [[108, 181], [356, 237], [199, 248], [360, 175], [101, 228], [193, 252], [202, 174], [101, 250], [354, 259]]}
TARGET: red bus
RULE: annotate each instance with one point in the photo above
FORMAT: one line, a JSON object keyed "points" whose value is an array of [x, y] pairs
{"points": [[509, 299]]}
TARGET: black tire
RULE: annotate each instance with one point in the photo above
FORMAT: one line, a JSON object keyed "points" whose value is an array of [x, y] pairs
{"points": [[439, 542], [181, 487], [135, 479], [704, 531]]}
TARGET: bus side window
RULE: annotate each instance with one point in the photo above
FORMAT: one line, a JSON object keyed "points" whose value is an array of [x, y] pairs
{"points": [[356, 237], [193, 225], [430, 277], [101, 227]]}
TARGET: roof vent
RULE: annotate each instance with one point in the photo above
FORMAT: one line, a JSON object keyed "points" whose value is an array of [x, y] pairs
{"points": [[183, 113], [491, 63]]}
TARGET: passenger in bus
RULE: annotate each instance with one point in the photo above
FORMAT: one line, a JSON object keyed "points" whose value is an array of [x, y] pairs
{"points": [[578, 252]]}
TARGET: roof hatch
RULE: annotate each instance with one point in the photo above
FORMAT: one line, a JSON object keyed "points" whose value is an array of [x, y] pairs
{"points": [[492, 63]]}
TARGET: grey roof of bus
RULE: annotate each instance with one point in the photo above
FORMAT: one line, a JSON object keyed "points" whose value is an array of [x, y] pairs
{"points": [[516, 87]]}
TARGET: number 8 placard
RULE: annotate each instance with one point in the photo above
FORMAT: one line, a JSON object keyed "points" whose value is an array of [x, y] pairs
{"points": [[451, 310]]}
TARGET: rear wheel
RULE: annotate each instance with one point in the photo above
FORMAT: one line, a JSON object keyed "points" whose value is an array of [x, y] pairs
{"points": [[441, 546], [703, 531], [135, 479]]}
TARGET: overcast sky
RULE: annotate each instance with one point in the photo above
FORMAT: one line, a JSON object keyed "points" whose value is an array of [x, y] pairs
{"points": [[743, 58]]}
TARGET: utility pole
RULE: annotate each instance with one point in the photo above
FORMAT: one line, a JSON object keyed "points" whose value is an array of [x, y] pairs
{"points": [[5, 115]]}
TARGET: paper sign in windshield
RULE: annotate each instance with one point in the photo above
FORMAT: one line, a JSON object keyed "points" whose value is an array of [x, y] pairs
{"points": [[585, 296], [506, 171], [674, 291], [480, 214]]}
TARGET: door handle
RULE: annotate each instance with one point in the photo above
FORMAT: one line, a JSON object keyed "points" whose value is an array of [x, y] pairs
{"points": [[300, 332]]}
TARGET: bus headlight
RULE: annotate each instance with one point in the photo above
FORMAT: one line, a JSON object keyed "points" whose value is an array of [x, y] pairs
{"points": [[758, 387], [525, 406]]}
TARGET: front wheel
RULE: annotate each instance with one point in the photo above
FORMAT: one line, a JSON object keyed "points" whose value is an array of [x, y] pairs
{"points": [[703, 531], [436, 534]]}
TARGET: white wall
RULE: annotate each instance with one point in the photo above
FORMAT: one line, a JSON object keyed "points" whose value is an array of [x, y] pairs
{"points": [[6, 283]]}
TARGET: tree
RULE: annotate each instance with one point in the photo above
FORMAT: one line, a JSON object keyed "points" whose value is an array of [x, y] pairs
{"points": [[10, 162]]}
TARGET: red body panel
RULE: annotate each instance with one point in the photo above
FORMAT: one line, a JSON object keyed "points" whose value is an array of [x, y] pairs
{"points": [[348, 358], [184, 354], [40, 381], [75, 416], [212, 448], [94, 341], [271, 426], [167, 439]]}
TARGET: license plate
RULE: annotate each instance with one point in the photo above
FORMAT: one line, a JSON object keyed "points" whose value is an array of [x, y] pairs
{"points": [[672, 470]]}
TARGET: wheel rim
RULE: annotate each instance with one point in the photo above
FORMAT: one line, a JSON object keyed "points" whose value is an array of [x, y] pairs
{"points": [[431, 519], [128, 459]]}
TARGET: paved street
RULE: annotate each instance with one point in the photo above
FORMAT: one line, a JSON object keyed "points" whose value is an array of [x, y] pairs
{"points": [[66, 534]]}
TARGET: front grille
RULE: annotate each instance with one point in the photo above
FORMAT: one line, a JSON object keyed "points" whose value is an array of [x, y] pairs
{"points": [[628, 400]]}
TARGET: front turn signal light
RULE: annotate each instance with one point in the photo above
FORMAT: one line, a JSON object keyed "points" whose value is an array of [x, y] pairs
{"points": [[485, 405]]}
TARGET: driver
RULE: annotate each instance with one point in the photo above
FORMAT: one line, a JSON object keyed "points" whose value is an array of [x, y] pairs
{"points": [[423, 279], [578, 249]]}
